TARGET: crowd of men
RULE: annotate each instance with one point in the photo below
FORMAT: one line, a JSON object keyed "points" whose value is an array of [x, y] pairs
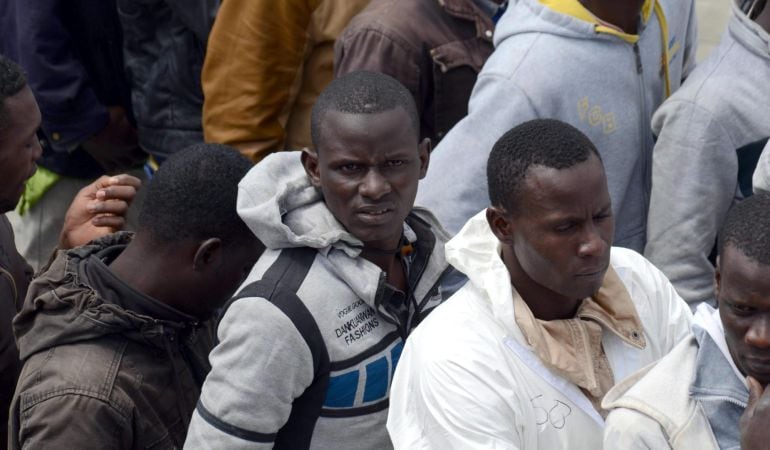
{"points": [[516, 224]]}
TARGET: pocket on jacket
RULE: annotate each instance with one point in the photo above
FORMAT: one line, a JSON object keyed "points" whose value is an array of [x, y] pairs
{"points": [[456, 66]]}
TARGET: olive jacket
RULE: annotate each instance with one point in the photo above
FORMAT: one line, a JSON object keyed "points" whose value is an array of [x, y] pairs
{"points": [[95, 373]]}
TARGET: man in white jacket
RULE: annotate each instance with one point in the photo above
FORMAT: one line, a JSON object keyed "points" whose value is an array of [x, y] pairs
{"points": [[551, 318], [708, 392]]}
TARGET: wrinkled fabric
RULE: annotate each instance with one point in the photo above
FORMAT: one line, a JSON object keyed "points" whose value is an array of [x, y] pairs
{"points": [[435, 48], [96, 375], [267, 61], [461, 383], [704, 132]]}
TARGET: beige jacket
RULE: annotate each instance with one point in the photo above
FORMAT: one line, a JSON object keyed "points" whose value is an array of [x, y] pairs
{"points": [[266, 63]]}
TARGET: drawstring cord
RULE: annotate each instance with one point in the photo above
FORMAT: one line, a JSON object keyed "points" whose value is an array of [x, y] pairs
{"points": [[664, 37]]}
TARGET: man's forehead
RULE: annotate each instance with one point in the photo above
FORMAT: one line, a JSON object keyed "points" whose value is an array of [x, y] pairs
{"points": [[741, 273]]}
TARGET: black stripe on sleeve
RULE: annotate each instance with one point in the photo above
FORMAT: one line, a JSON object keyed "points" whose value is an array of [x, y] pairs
{"points": [[232, 430]]}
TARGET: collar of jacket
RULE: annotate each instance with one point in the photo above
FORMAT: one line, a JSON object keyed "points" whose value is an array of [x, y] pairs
{"points": [[722, 395], [466, 9], [576, 9], [748, 33]]}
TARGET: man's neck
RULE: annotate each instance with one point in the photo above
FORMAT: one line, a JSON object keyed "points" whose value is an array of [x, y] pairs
{"points": [[763, 19], [137, 268], [622, 14], [544, 303]]}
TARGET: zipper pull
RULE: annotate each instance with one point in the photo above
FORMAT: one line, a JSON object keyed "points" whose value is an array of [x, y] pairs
{"points": [[638, 58]]}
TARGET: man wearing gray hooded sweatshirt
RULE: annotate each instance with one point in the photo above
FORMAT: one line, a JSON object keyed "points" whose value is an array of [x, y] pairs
{"points": [[603, 66], [307, 353], [709, 136]]}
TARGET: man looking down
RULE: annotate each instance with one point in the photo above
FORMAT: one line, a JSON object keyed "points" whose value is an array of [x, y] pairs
{"points": [[552, 315]]}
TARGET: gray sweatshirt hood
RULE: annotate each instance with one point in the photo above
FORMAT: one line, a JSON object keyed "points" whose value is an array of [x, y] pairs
{"points": [[282, 208]]}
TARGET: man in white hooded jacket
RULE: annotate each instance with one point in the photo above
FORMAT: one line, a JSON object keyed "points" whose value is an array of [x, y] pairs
{"points": [[552, 315]]}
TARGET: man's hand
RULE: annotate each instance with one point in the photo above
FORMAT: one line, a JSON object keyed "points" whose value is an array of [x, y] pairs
{"points": [[98, 209], [116, 147], [755, 433]]}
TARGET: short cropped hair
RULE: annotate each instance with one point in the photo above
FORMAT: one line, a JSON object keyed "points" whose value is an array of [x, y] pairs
{"points": [[12, 81], [747, 228], [193, 196], [362, 92], [541, 142]]}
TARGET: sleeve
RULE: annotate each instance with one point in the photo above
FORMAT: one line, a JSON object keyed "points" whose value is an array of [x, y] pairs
{"points": [[69, 106], [629, 430], [694, 181], [362, 48], [437, 404], [456, 192], [259, 367], [96, 424], [255, 51]]}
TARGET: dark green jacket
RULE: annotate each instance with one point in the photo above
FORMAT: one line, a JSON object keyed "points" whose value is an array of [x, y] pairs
{"points": [[96, 375]]}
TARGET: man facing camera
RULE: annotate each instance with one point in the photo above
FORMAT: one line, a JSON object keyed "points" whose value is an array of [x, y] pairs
{"points": [[307, 353], [551, 318], [113, 336], [711, 392]]}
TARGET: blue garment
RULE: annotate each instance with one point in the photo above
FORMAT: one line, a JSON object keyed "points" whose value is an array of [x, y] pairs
{"points": [[721, 394], [72, 53]]}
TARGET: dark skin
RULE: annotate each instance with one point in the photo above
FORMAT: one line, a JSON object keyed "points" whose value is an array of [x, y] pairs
{"points": [[743, 295], [194, 276], [367, 166], [622, 14], [558, 251]]}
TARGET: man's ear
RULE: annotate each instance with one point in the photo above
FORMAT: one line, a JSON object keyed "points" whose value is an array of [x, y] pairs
{"points": [[208, 254], [310, 163], [500, 223], [424, 148]]}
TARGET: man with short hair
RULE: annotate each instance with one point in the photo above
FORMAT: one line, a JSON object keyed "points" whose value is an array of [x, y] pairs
{"points": [[551, 318], [307, 353], [603, 66], [711, 391], [113, 334], [98, 209]]}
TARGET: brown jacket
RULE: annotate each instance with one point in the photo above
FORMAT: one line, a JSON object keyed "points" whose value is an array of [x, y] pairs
{"points": [[266, 63], [15, 274], [433, 47], [97, 375]]}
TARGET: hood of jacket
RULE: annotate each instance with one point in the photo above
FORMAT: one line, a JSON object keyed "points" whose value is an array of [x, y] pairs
{"points": [[62, 308], [750, 34], [282, 208], [568, 18]]}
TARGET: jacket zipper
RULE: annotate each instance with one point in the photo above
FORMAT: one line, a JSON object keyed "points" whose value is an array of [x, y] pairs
{"points": [[644, 131]]}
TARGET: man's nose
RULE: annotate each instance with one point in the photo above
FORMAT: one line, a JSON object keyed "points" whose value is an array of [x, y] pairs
{"points": [[374, 185], [758, 334], [591, 242]]}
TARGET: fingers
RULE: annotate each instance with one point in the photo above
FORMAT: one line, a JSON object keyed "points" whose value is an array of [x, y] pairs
{"points": [[118, 207], [125, 180], [109, 221], [755, 392], [126, 193]]}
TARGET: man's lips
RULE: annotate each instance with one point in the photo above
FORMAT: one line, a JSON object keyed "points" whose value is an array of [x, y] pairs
{"points": [[375, 215], [592, 272], [758, 365]]}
